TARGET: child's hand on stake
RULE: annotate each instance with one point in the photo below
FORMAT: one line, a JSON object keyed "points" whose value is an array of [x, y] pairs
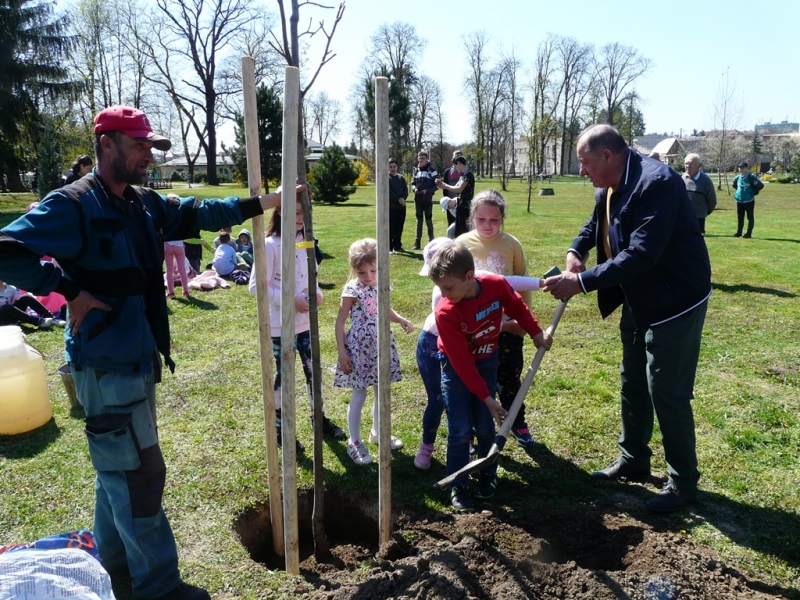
{"points": [[498, 412], [543, 339]]}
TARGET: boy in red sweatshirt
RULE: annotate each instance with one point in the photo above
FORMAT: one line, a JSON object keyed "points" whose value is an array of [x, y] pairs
{"points": [[469, 318]]}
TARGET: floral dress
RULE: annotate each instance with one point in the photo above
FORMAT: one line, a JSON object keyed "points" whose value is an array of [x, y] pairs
{"points": [[361, 340]]}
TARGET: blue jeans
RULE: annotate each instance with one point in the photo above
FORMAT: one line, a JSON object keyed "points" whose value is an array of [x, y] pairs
{"points": [[431, 372], [657, 375], [130, 526], [467, 413]]}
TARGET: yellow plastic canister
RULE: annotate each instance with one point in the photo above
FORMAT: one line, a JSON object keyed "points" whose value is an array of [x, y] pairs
{"points": [[24, 401]]}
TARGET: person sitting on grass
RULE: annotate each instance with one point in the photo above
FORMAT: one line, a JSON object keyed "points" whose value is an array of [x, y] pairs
{"points": [[14, 308], [244, 247], [225, 259], [469, 319]]}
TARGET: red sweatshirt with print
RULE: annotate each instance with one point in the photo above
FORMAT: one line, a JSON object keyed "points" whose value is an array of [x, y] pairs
{"points": [[470, 330]]}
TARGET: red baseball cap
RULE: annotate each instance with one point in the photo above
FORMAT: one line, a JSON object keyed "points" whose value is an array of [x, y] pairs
{"points": [[130, 121]]}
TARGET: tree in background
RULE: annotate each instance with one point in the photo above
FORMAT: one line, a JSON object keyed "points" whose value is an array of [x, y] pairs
{"points": [[756, 147], [543, 124], [333, 176], [191, 37], [726, 112], [270, 137], [783, 149], [475, 85], [617, 67], [399, 115], [794, 166], [33, 44], [574, 61], [629, 118], [321, 118], [50, 158]]}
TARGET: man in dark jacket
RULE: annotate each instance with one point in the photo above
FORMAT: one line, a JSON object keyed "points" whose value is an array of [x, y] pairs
{"points": [[398, 192], [700, 189], [652, 260], [423, 184], [108, 235]]}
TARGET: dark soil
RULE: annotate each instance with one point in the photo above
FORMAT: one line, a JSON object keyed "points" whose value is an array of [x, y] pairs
{"points": [[580, 552]]}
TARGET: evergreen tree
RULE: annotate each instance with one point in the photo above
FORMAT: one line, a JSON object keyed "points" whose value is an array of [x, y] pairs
{"points": [[399, 115], [758, 147], [269, 109], [333, 176], [32, 48], [50, 158]]}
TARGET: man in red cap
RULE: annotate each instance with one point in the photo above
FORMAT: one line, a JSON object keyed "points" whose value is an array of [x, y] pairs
{"points": [[108, 235]]}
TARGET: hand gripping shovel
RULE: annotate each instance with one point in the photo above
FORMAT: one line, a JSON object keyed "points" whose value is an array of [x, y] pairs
{"points": [[502, 435]]}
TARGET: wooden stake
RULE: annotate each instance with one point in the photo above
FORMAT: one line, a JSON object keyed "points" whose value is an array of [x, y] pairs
{"points": [[262, 301], [291, 94], [383, 390]]}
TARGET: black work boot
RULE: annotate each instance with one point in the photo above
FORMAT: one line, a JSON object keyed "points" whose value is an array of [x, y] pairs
{"points": [[299, 448]]}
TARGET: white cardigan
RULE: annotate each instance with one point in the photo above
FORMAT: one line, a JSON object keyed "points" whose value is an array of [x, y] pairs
{"points": [[273, 270]]}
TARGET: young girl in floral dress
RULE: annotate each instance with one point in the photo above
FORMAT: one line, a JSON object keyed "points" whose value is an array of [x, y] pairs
{"points": [[358, 347]]}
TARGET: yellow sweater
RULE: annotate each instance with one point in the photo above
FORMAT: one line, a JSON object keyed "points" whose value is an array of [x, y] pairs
{"points": [[501, 254]]}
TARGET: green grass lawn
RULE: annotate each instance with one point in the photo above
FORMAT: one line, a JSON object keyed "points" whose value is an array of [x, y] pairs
{"points": [[747, 404]]}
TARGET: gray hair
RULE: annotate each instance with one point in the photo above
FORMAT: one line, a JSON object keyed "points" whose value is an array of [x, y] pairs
{"points": [[692, 157]]}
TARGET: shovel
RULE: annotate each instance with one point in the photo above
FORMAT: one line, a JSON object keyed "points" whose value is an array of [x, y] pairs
{"points": [[502, 435]]}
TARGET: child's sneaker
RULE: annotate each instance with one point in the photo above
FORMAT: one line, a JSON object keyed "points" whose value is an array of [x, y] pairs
{"points": [[524, 437], [423, 458], [461, 499], [396, 443], [59, 323], [358, 452], [45, 323], [486, 486]]}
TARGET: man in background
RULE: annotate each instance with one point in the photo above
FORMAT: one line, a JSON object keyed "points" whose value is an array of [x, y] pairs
{"points": [[700, 189], [398, 192], [423, 184]]}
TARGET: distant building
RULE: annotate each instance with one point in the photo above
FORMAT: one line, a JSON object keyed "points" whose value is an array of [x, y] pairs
{"points": [[314, 152], [645, 144], [178, 164], [782, 127], [552, 159]]}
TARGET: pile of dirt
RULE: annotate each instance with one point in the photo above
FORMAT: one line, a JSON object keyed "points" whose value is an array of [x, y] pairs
{"points": [[581, 553]]}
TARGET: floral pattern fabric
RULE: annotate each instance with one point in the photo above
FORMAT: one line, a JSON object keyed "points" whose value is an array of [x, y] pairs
{"points": [[361, 340]]}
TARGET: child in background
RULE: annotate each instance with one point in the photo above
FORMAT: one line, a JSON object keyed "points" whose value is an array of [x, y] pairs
{"points": [[469, 318], [302, 323], [14, 308], [218, 240], [244, 247], [358, 347], [225, 259], [193, 248], [498, 252], [175, 254], [428, 356]]}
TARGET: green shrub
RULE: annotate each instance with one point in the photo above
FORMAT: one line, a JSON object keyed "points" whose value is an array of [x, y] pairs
{"points": [[176, 176], [333, 176]]}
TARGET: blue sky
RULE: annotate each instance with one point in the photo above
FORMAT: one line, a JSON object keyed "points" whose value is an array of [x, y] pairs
{"points": [[692, 45]]}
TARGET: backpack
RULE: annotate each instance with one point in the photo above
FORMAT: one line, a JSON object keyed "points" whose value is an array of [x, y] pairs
{"points": [[756, 183]]}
